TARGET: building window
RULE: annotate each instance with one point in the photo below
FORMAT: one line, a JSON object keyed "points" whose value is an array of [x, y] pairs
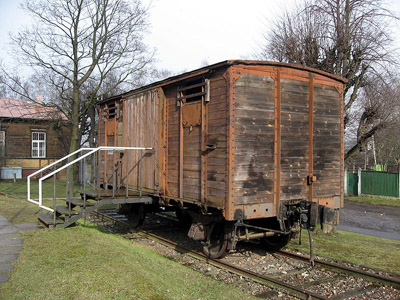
{"points": [[38, 144], [2, 143]]}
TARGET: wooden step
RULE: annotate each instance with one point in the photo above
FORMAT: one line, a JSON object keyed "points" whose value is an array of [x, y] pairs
{"points": [[78, 202], [48, 219], [63, 210]]}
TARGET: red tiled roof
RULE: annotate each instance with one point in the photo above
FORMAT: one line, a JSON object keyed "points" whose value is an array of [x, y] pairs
{"points": [[12, 108]]}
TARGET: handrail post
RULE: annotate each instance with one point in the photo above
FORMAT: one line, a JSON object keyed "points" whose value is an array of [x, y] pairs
{"points": [[140, 173], [81, 172], [98, 172], [119, 171], [113, 176], [93, 173], [40, 192], [28, 182], [54, 197], [84, 193], [127, 174], [69, 190]]}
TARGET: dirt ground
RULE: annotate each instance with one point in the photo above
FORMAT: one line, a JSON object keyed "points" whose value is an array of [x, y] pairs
{"points": [[381, 218]]}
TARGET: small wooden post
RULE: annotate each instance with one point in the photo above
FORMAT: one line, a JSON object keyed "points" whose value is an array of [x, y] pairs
{"points": [[359, 182]]}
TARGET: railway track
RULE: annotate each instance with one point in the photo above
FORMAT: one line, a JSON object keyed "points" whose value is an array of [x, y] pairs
{"points": [[301, 282]]}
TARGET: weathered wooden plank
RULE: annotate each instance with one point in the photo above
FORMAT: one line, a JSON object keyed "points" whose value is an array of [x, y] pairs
{"points": [[254, 96], [188, 173], [216, 201], [254, 136], [253, 106], [257, 114], [216, 161], [219, 193], [191, 193]]}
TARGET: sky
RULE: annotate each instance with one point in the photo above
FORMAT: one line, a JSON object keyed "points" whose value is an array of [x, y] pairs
{"points": [[191, 33], [188, 34]]}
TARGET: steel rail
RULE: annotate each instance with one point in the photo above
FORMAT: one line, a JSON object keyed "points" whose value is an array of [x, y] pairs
{"points": [[386, 280], [395, 282], [263, 279]]}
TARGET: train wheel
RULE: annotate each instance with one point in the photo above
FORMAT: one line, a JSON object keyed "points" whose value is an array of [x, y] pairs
{"points": [[136, 215], [276, 242], [123, 209], [218, 244]]}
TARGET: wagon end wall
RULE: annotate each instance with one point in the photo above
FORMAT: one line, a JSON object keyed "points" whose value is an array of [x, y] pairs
{"points": [[285, 140]]}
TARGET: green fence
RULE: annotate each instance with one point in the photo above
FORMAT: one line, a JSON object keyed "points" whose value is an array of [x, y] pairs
{"points": [[380, 183], [374, 183], [352, 184]]}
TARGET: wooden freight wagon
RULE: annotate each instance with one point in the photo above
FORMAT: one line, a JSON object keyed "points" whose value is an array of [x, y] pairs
{"points": [[247, 149]]}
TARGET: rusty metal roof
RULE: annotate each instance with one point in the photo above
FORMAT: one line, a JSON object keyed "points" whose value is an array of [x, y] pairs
{"points": [[226, 63], [12, 108]]}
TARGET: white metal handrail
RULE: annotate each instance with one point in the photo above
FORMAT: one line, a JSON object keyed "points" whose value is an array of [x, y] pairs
{"points": [[47, 167], [91, 151]]}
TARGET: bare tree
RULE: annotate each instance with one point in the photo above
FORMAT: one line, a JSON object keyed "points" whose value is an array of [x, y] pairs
{"points": [[350, 38], [81, 50], [379, 117], [377, 109]]}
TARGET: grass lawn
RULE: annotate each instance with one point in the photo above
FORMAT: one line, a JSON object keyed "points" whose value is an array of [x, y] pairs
{"points": [[85, 263], [19, 188], [361, 249], [17, 210], [374, 200]]}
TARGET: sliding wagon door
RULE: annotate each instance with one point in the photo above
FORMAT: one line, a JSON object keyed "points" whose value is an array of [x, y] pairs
{"points": [[191, 98], [141, 128]]}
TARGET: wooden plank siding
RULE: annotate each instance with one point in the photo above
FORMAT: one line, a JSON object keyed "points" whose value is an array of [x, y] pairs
{"points": [[141, 128], [216, 163], [172, 142], [299, 142], [18, 137], [294, 140], [327, 141], [254, 136]]}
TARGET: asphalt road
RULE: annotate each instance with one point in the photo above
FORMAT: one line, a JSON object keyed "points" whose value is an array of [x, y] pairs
{"points": [[376, 220]]}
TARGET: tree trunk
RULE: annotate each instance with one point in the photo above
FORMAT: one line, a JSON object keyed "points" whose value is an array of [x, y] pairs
{"points": [[75, 132], [93, 128]]}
